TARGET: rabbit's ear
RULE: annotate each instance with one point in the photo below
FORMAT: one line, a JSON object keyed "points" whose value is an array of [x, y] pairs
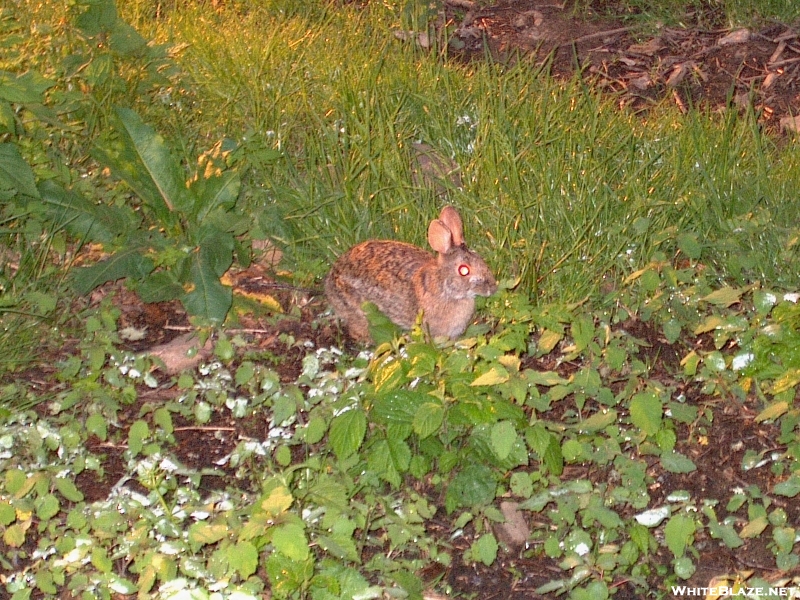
{"points": [[450, 217], [440, 237]]}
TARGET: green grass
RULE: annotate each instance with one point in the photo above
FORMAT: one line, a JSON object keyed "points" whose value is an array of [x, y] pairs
{"points": [[561, 189]]}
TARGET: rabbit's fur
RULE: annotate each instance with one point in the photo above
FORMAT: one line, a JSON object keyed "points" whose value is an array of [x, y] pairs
{"points": [[402, 279]]}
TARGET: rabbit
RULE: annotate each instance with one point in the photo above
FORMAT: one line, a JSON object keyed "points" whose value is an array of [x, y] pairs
{"points": [[402, 279]]}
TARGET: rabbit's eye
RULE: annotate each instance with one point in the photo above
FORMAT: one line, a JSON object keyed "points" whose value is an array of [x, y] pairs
{"points": [[463, 270]]}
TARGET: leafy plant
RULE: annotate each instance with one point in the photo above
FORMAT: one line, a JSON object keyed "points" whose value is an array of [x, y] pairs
{"points": [[189, 240]]}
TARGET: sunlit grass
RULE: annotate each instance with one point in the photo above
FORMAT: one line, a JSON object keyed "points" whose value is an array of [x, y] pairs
{"points": [[561, 189]]}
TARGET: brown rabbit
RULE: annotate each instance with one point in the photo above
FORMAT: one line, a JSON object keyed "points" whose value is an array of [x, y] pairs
{"points": [[402, 279]]}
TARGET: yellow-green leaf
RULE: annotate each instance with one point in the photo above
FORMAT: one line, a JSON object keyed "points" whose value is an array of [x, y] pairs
{"points": [[548, 341], [754, 527], [493, 376], [278, 501], [773, 411], [290, 540], [724, 297]]}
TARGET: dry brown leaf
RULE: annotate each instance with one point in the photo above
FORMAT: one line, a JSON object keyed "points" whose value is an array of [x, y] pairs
{"points": [[184, 352], [769, 80], [678, 74], [649, 48], [641, 83], [740, 36]]}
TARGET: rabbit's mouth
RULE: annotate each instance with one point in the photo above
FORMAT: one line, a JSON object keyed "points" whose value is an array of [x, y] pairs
{"points": [[481, 287]]}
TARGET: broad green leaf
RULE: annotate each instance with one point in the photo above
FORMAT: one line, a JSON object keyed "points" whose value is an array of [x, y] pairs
{"points": [[16, 176], [127, 263], [347, 432], [14, 536], [582, 332], [217, 192], [7, 513], [398, 406], [485, 549], [423, 359], [503, 436], [141, 158], [764, 301], [428, 419], [675, 462], [290, 540], [68, 489], [163, 418], [678, 532], [553, 458], [684, 567], [47, 507], [687, 242], [214, 248], [159, 286], [672, 330], [84, 219], [28, 88], [389, 458], [400, 453], [647, 412], [473, 486], [100, 560], [521, 485], [381, 328], [17, 483], [243, 556], [315, 430], [137, 434], [789, 488], [44, 582], [597, 421], [287, 575], [208, 299], [125, 40], [100, 16], [724, 532]]}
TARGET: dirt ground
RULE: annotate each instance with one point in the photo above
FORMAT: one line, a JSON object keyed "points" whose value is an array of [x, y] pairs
{"points": [[713, 68]]}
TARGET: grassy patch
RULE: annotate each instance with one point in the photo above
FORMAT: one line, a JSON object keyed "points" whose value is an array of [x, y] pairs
{"points": [[560, 189]]}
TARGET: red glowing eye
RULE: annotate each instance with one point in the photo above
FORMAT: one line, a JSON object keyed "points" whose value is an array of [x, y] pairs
{"points": [[463, 270]]}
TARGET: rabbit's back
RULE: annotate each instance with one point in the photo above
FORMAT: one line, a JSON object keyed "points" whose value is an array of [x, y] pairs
{"points": [[381, 272]]}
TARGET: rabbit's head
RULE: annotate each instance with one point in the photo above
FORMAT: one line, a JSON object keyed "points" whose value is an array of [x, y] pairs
{"points": [[463, 273]]}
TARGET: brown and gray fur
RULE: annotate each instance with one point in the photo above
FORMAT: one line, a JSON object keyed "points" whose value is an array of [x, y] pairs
{"points": [[402, 280]]}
